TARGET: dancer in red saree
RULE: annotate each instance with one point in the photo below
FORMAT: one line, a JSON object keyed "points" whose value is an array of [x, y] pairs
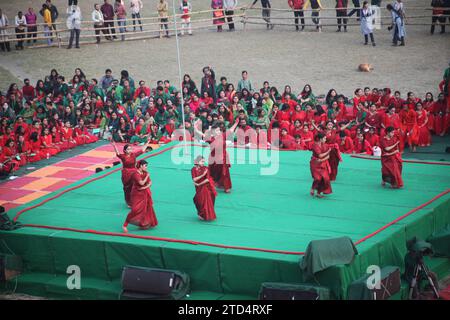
{"points": [[205, 192], [219, 161], [142, 213], [391, 160], [128, 158], [319, 166]]}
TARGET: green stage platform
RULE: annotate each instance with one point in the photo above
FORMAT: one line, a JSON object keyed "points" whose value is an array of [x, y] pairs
{"points": [[230, 257]]}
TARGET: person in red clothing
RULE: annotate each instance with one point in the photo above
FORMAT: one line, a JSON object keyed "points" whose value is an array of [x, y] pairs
{"points": [[219, 161], [387, 98], [67, 136], [298, 143], [410, 130], [205, 191], [142, 213], [28, 90], [307, 137], [412, 100], [35, 153], [6, 167], [47, 146], [422, 123], [319, 167], [361, 145], [441, 114], [372, 137], [298, 114], [295, 129], [359, 98], [82, 135], [373, 119], [345, 143], [128, 159], [287, 141], [55, 132], [391, 160], [10, 152], [142, 89], [392, 119], [428, 107], [23, 149], [297, 6]]}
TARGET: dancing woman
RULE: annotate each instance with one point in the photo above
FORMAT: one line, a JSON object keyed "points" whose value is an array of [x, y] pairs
{"points": [[128, 158], [391, 160], [142, 213], [319, 166], [205, 191]]}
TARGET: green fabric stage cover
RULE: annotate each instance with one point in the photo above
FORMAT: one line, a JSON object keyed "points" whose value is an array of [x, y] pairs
{"points": [[441, 242], [273, 212], [358, 290], [322, 254]]}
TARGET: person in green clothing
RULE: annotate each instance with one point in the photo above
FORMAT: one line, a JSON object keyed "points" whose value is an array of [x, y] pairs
{"points": [[306, 96], [95, 88], [161, 117], [160, 93], [222, 86], [267, 103], [27, 113], [262, 119], [114, 92], [168, 88], [141, 132]]}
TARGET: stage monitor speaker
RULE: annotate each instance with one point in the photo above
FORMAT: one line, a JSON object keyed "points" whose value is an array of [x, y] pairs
{"points": [[292, 291], [154, 284], [389, 285]]}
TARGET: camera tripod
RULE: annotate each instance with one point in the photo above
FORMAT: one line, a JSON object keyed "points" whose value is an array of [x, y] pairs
{"points": [[414, 285]]}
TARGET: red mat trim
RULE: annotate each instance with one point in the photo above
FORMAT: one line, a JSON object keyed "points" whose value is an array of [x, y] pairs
{"points": [[191, 241]]}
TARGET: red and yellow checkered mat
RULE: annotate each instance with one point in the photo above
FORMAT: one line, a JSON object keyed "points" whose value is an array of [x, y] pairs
{"points": [[51, 178]]}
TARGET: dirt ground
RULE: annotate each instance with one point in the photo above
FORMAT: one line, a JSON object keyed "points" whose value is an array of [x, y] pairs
{"points": [[282, 56]]}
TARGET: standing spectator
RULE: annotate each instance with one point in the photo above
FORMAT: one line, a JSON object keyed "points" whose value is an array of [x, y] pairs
{"points": [[438, 12], [219, 20], [208, 83], [265, 12], [367, 23], [31, 18], [99, 23], [446, 12], [108, 15], [316, 6], [398, 22], [163, 12], [20, 23], [341, 14], [47, 14], [74, 25], [297, 6], [121, 13], [356, 9], [244, 83], [4, 34], [186, 9], [136, 6], [54, 13], [229, 7]]}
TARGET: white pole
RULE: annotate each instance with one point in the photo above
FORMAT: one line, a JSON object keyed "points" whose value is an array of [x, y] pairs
{"points": [[179, 75]]}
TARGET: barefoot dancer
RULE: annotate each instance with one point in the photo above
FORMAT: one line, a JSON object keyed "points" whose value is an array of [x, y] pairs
{"points": [[319, 166], [205, 192], [142, 213], [128, 158], [391, 160]]}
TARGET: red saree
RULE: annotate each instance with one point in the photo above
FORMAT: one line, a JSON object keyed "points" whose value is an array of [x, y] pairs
{"points": [[319, 171], [142, 213], [219, 162], [391, 166], [128, 169], [205, 195]]}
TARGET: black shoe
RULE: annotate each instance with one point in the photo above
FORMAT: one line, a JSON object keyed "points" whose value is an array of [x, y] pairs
{"points": [[77, 47], [338, 30], [373, 44], [366, 43], [69, 47]]}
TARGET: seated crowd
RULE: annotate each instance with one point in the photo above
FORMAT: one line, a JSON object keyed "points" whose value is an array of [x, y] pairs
{"points": [[40, 121]]}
